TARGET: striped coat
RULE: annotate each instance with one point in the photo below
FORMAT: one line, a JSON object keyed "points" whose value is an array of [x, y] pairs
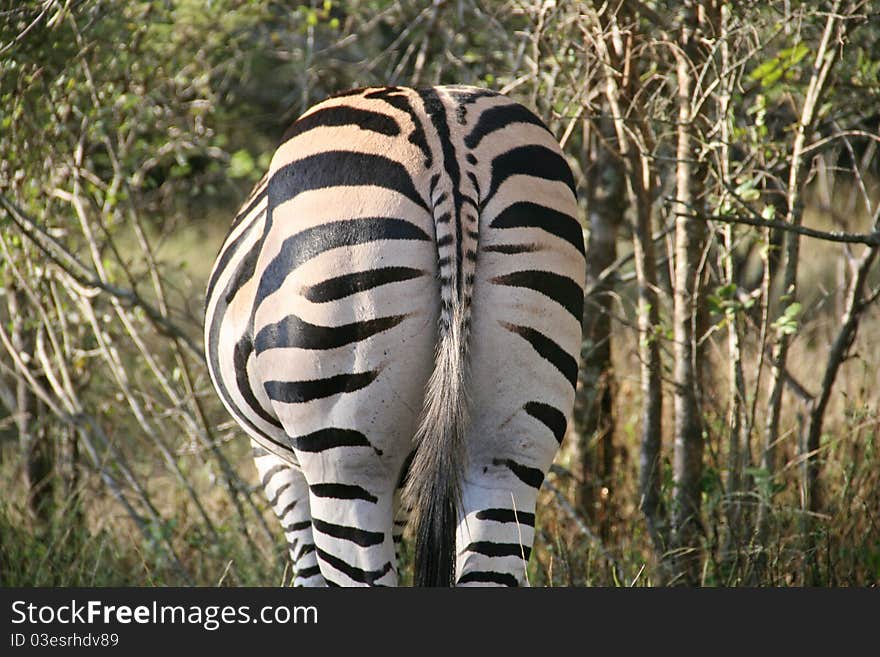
{"points": [[394, 318]]}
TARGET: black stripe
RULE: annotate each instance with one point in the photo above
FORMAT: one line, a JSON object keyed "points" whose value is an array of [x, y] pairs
{"points": [[342, 492], [240, 355], [309, 572], [561, 289], [468, 96], [307, 548], [525, 214], [230, 251], [347, 284], [318, 441], [532, 160], [287, 509], [437, 112], [498, 117], [253, 202], [510, 249], [530, 476], [244, 272], [298, 392], [297, 526], [548, 350], [397, 99], [340, 168], [295, 332], [358, 536], [354, 573], [271, 472], [243, 348], [211, 349], [276, 496], [552, 417], [490, 549], [298, 248], [483, 577], [342, 115], [476, 184], [507, 515]]}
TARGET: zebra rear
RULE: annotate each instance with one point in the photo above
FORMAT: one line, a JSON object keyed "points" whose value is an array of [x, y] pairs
{"points": [[395, 315]]}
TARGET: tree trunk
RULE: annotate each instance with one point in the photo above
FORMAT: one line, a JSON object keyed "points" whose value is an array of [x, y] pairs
{"points": [[690, 236], [856, 304], [634, 143], [651, 503], [739, 449], [594, 420], [825, 57], [34, 443]]}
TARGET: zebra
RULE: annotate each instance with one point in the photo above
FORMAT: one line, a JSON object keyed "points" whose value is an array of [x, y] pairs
{"points": [[394, 318]]}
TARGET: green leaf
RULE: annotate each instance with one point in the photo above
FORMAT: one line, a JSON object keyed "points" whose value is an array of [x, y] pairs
{"points": [[241, 164], [795, 54], [771, 77], [787, 323], [726, 291], [765, 69], [792, 311], [747, 192]]}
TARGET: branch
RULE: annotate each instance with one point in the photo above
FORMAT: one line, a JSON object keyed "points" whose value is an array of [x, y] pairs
{"points": [[21, 35], [868, 239], [86, 277], [611, 270]]}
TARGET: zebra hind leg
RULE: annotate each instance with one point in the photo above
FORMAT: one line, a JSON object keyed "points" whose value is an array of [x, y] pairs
{"points": [[354, 534], [288, 495], [495, 536]]}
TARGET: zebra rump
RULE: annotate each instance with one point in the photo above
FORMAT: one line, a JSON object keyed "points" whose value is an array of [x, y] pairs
{"points": [[394, 319]]}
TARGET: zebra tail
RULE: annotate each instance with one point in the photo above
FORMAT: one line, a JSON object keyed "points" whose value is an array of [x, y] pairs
{"points": [[434, 481]]}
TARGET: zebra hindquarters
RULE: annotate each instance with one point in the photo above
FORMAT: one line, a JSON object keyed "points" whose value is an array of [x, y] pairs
{"points": [[524, 345], [344, 337]]}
